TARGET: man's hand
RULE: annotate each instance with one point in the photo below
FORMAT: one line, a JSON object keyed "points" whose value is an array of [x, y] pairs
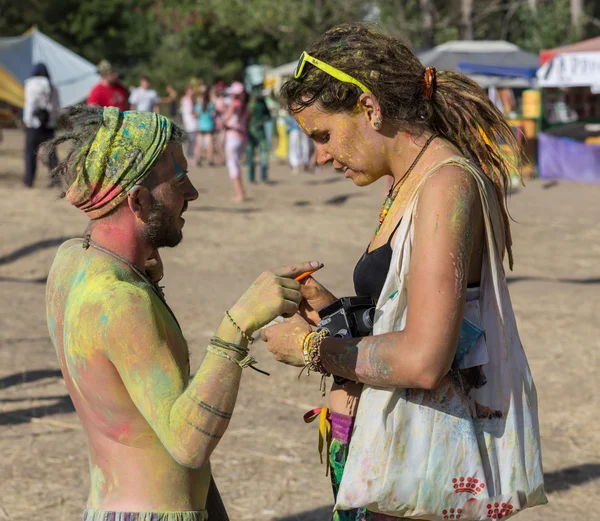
{"points": [[274, 293]]}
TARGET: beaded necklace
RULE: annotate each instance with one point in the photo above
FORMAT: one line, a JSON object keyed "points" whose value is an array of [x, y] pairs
{"points": [[395, 190]]}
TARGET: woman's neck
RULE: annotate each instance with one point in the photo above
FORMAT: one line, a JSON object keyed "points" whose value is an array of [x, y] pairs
{"points": [[403, 151]]}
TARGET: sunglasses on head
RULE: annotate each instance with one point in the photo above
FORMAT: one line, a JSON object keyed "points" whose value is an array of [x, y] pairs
{"points": [[328, 69]]}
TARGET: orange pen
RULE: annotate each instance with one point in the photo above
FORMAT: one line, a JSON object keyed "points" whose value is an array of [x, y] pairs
{"points": [[306, 274]]}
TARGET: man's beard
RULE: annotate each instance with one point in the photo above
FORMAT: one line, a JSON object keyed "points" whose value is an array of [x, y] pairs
{"points": [[162, 229]]}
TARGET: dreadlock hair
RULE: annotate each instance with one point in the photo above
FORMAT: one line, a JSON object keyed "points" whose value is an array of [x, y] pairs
{"points": [[80, 125], [459, 110]]}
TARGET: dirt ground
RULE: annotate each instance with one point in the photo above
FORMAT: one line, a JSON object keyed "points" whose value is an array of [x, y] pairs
{"points": [[267, 466]]}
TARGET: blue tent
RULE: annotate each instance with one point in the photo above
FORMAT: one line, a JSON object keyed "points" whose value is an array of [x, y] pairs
{"points": [[528, 73], [72, 75]]}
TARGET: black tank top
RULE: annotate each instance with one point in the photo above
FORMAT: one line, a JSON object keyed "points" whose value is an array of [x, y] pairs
{"points": [[372, 268]]}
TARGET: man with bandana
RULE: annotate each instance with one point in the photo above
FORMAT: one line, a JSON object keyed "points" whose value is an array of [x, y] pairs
{"points": [[150, 425]]}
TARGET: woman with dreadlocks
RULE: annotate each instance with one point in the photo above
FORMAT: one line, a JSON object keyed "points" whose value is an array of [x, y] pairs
{"points": [[434, 416]]}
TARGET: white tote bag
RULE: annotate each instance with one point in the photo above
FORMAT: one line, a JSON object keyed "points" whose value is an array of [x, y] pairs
{"points": [[470, 449]]}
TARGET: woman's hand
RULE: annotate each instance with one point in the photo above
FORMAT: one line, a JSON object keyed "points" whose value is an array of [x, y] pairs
{"points": [[154, 267], [274, 293], [285, 340], [315, 298]]}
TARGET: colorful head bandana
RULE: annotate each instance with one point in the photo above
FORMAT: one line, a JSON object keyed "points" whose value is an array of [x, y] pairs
{"points": [[126, 147]]}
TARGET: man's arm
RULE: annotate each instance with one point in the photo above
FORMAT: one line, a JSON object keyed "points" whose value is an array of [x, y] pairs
{"points": [[188, 421]]}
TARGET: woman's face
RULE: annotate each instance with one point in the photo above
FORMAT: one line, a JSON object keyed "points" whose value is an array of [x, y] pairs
{"points": [[348, 141]]}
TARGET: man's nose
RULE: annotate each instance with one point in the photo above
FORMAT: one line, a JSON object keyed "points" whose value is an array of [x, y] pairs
{"points": [[191, 193]]}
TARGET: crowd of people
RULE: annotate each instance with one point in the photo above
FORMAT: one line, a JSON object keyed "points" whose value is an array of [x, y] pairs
{"points": [[225, 125]]}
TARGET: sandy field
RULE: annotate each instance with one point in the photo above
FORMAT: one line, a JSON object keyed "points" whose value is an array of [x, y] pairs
{"points": [[267, 466]]}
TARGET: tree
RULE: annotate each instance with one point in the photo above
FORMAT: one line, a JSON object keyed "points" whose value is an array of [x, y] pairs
{"points": [[428, 23], [466, 10]]}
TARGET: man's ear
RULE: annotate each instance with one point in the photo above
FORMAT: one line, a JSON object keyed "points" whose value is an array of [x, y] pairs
{"points": [[139, 201]]}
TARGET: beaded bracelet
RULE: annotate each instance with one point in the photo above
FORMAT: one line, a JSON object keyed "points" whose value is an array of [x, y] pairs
{"points": [[306, 346], [245, 336], [315, 352]]}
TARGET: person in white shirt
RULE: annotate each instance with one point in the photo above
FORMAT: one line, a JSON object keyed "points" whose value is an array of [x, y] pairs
{"points": [[40, 112], [190, 121], [143, 97]]}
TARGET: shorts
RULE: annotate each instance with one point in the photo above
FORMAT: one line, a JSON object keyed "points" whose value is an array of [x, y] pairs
{"points": [[107, 515]]}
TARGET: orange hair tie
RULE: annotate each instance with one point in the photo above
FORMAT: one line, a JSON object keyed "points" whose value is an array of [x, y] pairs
{"points": [[429, 82]]}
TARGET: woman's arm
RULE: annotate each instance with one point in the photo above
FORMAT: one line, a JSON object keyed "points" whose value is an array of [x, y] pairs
{"points": [[448, 221], [448, 217]]}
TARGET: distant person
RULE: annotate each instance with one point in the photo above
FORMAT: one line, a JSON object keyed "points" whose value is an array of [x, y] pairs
{"points": [[190, 123], [282, 150], [171, 100], [205, 110], [299, 147], [257, 136], [218, 98], [273, 105], [40, 113], [236, 122], [143, 97], [109, 92]]}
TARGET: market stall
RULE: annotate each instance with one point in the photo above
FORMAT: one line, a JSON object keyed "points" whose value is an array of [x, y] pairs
{"points": [[568, 146]]}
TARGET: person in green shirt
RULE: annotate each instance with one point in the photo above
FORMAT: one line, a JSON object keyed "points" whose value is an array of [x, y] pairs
{"points": [[257, 136]]}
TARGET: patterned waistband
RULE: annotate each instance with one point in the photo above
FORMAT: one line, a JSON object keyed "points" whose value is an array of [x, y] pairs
{"points": [[107, 515], [341, 426]]}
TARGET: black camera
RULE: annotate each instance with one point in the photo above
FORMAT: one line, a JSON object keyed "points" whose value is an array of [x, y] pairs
{"points": [[348, 317]]}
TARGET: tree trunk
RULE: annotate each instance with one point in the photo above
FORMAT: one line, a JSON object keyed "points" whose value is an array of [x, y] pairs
{"points": [[532, 4], [428, 23], [466, 10], [576, 13]]}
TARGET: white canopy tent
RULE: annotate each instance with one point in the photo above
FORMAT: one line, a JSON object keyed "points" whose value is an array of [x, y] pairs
{"points": [[574, 69]]}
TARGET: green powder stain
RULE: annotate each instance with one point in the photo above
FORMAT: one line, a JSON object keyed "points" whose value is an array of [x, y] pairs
{"points": [[98, 482], [458, 212]]}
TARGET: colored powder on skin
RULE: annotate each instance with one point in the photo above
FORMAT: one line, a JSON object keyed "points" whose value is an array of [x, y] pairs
{"points": [[461, 205], [178, 170], [98, 482]]}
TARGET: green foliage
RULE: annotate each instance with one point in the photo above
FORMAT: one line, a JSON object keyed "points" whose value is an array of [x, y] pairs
{"points": [[173, 41], [548, 27]]}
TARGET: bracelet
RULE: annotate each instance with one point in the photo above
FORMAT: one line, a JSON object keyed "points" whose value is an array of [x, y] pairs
{"points": [[237, 348], [311, 347], [315, 352], [245, 362], [306, 346], [245, 335]]}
